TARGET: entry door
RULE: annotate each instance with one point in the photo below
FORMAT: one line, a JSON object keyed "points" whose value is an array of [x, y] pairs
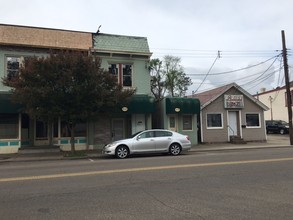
{"points": [[117, 129], [173, 123], [41, 133], [232, 123]]}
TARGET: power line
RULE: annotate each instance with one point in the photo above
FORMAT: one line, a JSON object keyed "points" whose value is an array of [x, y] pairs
{"points": [[218, 56], [264, 71], [236, 70]]}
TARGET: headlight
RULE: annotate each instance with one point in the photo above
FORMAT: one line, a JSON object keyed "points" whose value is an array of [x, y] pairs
{"points": [[111, 145]]}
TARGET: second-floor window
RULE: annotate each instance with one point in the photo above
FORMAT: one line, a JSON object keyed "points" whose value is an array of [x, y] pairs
{"points": [[12, 66], [123, 72]]}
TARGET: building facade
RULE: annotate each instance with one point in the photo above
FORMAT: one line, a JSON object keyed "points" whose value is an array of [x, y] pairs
{"points": [[127, 57], [180, 115], [276, 100], [228, 112]]}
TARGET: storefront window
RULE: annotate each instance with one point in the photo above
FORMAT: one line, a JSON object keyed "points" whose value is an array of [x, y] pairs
{"points": [[8, 126], [80, 129], [252, 120], [214, 120], [187, 122]]}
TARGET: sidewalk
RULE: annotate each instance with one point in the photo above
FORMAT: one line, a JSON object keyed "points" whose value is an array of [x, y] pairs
{"points": [[273, 141]]}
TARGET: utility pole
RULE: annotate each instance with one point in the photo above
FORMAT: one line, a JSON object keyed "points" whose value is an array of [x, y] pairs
{"points": [[287, 81]]}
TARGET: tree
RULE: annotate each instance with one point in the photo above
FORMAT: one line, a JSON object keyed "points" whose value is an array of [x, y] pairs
{"points": [[157, 79], [168, 75], [66, 84], [176, 80]]}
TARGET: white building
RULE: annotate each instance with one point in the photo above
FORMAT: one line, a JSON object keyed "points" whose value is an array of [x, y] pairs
{"points": [[276, 100]]}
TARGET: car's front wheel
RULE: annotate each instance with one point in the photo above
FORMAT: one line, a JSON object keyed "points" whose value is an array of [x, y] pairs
{"points": [[122, 152], [175, 149]]}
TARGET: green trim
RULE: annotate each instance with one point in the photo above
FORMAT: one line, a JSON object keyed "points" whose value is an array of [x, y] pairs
{"points": [[14, 143], [182, 106], [82, 141], [64, 142], [4, 144], [9, 143]]}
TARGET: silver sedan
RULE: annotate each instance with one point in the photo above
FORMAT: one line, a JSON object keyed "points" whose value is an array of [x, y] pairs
{"points": [[149, 141]]}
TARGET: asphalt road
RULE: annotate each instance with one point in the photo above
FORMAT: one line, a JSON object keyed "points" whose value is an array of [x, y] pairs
{"points": [[246, 184]]}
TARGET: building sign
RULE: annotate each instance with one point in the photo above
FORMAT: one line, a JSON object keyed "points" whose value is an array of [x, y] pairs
{"points": [[233, 101]]}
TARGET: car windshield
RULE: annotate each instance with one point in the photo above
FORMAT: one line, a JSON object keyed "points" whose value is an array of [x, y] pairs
{"points": [[133, 135]]}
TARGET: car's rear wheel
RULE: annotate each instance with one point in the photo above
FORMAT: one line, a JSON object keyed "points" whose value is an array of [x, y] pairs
{"points": [[175, 149], [122, 152]]}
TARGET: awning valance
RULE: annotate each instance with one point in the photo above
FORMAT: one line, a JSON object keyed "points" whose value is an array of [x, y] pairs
{"points": [[182, 106], [7, 106], [139, 104]]}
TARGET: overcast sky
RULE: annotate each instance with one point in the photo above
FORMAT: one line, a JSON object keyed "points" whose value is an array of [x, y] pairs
{"points": [[246, 32]]}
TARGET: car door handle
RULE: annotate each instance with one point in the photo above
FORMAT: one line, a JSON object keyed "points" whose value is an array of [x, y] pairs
{"points": [[151, 139]]}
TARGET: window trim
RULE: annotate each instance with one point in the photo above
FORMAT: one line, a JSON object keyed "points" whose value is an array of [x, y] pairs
{"points": [[259, 120], [214, 113]]}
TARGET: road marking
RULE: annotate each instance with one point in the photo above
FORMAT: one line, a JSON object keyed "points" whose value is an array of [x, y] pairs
{"points": [[13, 179]]}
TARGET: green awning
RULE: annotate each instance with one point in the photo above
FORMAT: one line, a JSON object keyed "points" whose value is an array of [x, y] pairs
{"points": [[182, 106], [139, 104], [7, 106]]}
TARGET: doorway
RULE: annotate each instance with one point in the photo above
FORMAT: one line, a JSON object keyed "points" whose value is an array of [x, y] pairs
{"points": [[233, 123], [41, 133], [173, 121], [117, 129]]}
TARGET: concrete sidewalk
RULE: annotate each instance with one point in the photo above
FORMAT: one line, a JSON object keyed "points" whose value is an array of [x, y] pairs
{"points": [[274, 141]]}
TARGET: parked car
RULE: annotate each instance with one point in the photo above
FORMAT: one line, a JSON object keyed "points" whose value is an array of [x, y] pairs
{"points": [[277, 126], [149, 141]]}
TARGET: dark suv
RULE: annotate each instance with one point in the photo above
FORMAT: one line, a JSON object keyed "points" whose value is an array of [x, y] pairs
{"points": [[277, 126]]}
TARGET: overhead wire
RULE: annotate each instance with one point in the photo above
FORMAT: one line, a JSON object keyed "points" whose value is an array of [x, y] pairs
{"points": [[240, 69], [218, 56], [264, 71]]}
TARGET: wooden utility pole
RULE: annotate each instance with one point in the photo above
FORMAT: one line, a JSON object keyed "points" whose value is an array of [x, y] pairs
{"points": [[287, 81]]}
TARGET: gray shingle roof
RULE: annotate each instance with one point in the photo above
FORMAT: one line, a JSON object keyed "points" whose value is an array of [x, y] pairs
{"points": [[121, 43], [208, 97]]}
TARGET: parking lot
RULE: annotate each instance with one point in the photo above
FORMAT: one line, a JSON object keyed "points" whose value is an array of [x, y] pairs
{"points": [[278, 139]]}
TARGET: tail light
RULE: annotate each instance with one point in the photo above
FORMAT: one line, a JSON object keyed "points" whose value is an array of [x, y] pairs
{"points": [[187, 137]]}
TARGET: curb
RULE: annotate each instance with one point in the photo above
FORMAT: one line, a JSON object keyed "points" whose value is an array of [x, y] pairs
{"points": [[38, 157]]}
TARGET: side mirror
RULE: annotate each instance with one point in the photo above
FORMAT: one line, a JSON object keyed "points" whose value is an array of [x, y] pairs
{"points": [[138, 137]]}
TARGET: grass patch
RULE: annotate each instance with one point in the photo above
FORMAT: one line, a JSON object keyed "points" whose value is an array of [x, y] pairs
{"points": [[75, 154]]}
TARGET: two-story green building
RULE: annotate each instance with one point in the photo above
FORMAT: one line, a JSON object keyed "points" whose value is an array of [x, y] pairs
{"points": [[127, 57]]}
